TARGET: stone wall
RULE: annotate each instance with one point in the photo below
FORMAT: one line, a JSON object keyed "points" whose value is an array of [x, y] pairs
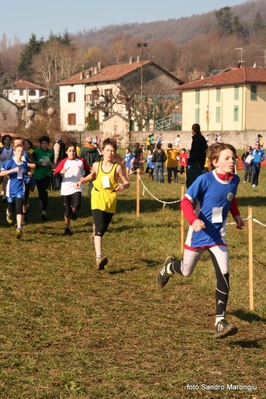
{"points": [[238, 139]]}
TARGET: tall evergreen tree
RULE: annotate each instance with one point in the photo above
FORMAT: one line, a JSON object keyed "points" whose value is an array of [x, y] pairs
{"points": [[224, 20], [31, 48], [258, 23]]}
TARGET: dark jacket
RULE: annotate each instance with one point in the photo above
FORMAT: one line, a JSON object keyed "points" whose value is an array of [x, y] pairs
{"points": [[90, 153], [198, 150], [159, 156]]}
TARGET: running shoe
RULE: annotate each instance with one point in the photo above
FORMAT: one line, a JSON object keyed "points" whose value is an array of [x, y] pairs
{"points": [[224, 329], [164, 275], [101, 262], [9, 217], [18, 232]]}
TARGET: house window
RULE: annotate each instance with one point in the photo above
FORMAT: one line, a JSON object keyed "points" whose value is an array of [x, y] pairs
{"points": [[236, 113], [218, 94], [71, 119], [236, 93], [4, 117], [108, 94], [87, 97], [32, 92], [21, 91], [218, 114], [197, 110], [71, 97], [253, 92], [197, 96], [95, 95]]}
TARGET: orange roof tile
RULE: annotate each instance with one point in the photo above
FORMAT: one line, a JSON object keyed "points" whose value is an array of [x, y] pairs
{"points": [[233, 77], [109, 73], [23, 84]]}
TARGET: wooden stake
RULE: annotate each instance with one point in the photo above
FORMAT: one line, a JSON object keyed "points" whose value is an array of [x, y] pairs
{"points": [[182, 222], [138, 194], [250, 258]]}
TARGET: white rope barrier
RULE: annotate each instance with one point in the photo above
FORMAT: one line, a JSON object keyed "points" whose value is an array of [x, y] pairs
{"points": [[177, 201], [157, 199]]}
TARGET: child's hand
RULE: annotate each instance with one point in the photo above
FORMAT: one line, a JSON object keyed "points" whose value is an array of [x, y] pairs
{"points": [[240, 224], [198, 225], [120, 187], [77, 185]]}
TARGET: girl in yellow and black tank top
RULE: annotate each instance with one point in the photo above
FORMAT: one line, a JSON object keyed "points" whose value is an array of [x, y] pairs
{"points": [[104, 195], [105, 175]]}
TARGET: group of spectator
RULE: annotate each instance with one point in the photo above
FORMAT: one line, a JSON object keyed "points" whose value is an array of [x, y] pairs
{"points": [[252, 159]]}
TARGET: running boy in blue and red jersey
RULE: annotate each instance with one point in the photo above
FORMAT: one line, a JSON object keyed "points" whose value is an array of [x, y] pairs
{"points": [[214, 193], [16, 168]]}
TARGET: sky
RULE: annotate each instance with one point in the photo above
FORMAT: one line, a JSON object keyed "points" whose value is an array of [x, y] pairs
{"points": [[22, 18]]}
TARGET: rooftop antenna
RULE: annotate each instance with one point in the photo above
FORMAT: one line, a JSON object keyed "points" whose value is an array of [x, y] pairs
{"points": [[241, 56]]}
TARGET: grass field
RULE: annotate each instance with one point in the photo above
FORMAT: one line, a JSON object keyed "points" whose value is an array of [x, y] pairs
{"points": [[70, 331]]}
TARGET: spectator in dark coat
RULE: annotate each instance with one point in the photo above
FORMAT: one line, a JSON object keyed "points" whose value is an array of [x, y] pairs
{"points": [[197, 156]]}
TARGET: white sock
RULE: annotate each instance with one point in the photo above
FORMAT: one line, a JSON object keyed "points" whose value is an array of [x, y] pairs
{"points": [[218, 318]]}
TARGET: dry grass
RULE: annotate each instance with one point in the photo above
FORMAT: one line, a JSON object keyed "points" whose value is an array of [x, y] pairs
{"points": [[69, 331]]}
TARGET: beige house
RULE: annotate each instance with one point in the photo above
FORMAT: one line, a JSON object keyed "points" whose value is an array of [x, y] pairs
{"points": [[23, 92], [9, 114], [234, 100], [105, 92]]}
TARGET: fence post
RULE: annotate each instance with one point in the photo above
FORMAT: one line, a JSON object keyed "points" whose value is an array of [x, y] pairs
{"points": [[250, 258], [182, 222], [137, 193]]}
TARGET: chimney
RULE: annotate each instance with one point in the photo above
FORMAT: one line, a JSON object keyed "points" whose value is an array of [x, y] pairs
{"points": [[99, 65], [131, 60], [81, 75], [95, 70], [138, 59], [88, 74]]}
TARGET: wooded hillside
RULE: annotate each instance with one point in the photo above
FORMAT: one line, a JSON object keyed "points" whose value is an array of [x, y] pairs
{"points": [[187, 47]]}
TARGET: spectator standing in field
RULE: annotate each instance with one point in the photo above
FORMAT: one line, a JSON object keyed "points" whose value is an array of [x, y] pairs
{"points": [[105, 176], [258, 157], [214, 193], [160, 139], [177, 141], [171, 163], [183, 161], [150, 165], [259, 139], [71, 170], [128, 161], [43, 157], [16, 169], [247, 159], [152, 141], [148, 143], [159, 158], [59, 154], [91, 154], [59, 149], [197, 156], [138, 156]]}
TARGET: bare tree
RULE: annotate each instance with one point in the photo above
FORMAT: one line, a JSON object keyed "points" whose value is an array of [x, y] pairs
{"points": [[54, 62]]}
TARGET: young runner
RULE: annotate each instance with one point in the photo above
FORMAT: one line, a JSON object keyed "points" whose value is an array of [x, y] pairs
{"points": [[105, 175], [16, 169], [215, 195]]}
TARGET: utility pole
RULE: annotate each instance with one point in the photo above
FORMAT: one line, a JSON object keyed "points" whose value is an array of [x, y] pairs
{"points": [[141, 45]]}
